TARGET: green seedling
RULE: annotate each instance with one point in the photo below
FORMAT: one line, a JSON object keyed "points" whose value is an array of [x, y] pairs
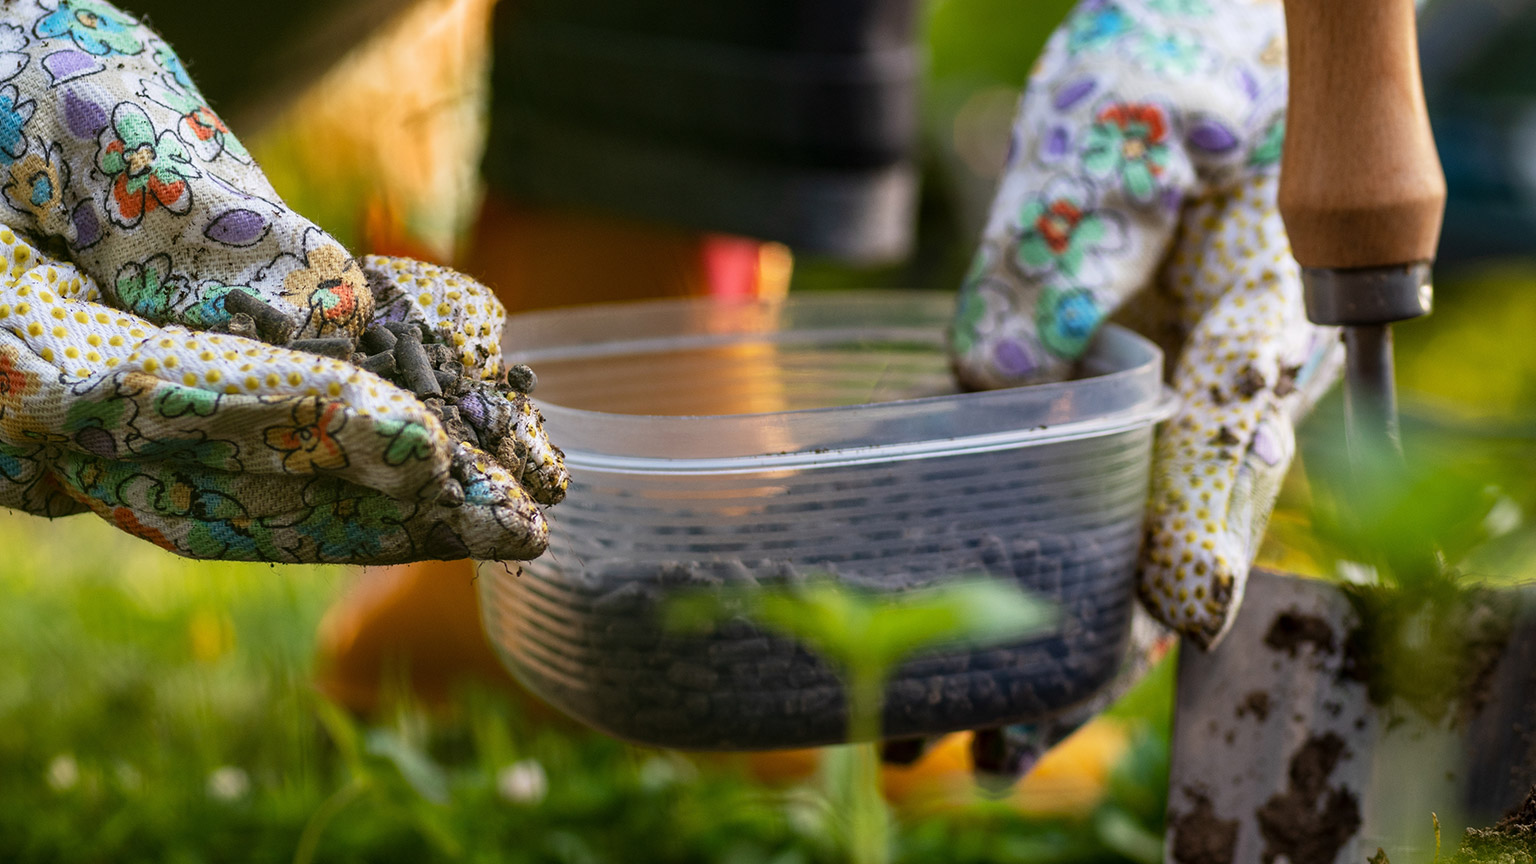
{"points": [[864, 636]]}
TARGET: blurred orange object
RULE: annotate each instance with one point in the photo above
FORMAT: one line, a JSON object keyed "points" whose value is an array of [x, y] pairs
{"points": [[543, 257], [1069, 780], [1072, 777], [416, 625]]}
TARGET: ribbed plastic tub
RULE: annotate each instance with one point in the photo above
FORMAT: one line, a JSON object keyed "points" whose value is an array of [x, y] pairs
{"points": [[714, 444]]}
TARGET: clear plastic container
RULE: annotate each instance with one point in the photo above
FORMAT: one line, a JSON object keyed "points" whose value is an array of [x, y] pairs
{"points": [[713, 443]]}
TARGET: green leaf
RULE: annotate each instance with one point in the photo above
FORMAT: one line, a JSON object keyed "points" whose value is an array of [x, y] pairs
{"points": [[1402, 515], [409, 441], [112, 163], [1102, 156], [101, 413], [1139, 181], [169, 148], [1035, 251], [133, 126], [864, 630], [175, 400]]}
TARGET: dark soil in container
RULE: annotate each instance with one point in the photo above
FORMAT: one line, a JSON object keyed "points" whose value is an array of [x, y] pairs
{"points": [[597, 646]]}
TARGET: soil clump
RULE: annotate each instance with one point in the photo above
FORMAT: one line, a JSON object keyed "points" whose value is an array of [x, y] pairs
{"points": [[1200, 837], [1309, 821]]}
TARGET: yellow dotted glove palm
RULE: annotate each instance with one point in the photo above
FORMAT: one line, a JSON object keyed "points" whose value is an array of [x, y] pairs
{"points": [[1143, 182], [182, 354]]}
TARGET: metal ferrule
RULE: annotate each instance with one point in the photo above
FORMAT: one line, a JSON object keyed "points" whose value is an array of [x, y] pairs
{"points": [[1370, 389], [1367, 295]]}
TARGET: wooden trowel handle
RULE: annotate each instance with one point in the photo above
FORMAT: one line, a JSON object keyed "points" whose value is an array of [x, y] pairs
{"points": [[1361, 184]]}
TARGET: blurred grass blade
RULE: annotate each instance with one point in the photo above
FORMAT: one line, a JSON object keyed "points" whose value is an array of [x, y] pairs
{"points": [[415, 767], [344, 734]]}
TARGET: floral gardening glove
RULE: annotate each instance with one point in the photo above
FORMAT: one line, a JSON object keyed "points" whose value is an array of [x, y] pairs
{"points": [[339, 411], [1143, 180]]}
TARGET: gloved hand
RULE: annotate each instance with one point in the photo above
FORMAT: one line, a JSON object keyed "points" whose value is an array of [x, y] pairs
{"points": [[136, 219], [1142, 181]]}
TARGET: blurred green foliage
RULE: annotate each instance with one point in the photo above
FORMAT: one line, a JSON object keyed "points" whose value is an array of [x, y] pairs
{"points": [[1473, 359], [1459, 498], [989, 41]]}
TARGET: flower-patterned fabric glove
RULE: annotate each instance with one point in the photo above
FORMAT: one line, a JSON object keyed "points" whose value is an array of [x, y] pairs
{"points": [[187, 357], [1142, 183]]}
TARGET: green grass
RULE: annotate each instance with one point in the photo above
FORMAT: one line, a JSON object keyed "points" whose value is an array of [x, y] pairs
{"points": [[159, 710]]}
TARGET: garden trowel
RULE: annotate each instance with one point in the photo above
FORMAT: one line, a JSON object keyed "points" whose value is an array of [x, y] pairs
{"points": [[1361, 189], [1274, 751]]}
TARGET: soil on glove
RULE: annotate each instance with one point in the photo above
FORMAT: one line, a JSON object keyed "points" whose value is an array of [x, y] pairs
{"points": [[475, 411]]}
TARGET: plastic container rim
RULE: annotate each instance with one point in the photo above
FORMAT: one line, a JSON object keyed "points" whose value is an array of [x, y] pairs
{"points": [[849, 456], [1156, 406]]}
